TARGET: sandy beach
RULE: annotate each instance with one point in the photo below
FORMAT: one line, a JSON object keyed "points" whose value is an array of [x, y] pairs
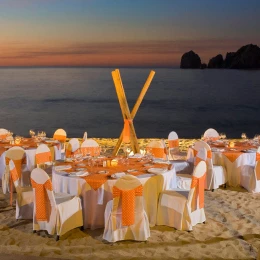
{"points": [[232, 231]]}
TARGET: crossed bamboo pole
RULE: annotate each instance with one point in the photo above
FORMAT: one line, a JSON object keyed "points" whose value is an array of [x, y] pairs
{"points": [[125, 109]]}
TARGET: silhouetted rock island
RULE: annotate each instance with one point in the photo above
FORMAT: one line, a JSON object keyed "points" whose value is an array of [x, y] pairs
{"points": [[190, 60], [247, 57], [216, 62]]}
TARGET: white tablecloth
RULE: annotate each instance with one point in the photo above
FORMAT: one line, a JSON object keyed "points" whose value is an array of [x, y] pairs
{"points": [[94, 208], [30, 159]]}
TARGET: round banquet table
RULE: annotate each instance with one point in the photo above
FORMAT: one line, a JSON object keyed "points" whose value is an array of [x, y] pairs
{"points": [[30, 150], [94, 201], [232, 159]]}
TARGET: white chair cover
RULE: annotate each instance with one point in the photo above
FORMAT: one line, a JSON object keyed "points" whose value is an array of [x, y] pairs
{"points": [[89, 146], [17, 154], [250, 175], [211, 134], [181, 166], [61, 135], [43, 158], [158, 149], [184, 209], [72, 147], [24, 199], [3, 133], [173, 143], [216, 174], [184, 180], [55, 213], [85, 136], [114, 228]]}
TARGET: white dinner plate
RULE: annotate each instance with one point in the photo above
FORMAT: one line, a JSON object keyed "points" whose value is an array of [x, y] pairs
{"points": [[157, 170], [79, 174], [62, 167], [103, 172], [132, 170]]}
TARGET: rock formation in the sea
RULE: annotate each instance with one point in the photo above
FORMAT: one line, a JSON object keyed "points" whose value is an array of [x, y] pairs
{"points": [[203, 66], [190, 60], [216, 62], [229, 58], [247, 57]]}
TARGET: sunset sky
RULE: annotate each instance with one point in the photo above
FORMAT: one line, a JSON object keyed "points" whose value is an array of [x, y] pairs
{"points": [[133, 33]]}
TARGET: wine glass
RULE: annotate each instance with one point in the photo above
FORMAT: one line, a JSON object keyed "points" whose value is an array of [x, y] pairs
{"points": [[103, 150], [32, 133], [243, 136]]}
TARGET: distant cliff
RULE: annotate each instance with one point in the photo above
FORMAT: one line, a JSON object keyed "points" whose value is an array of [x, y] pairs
{"points": [[247, 57]]}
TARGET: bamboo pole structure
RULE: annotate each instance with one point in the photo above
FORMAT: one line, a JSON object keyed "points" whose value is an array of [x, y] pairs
{"points": [[136, 107], [125, 109]]}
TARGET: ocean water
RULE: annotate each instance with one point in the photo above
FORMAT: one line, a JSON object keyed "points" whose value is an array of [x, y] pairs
{"points": [[84, 99]]}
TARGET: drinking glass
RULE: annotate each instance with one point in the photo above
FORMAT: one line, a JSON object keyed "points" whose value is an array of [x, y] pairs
{"points": [[243, 136], [32, 133]]}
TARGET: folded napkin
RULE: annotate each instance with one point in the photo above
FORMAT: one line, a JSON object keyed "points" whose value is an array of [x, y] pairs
{"points": [[157, 170], [161, 161], [80, 173], [62, 167], [118, 175]]}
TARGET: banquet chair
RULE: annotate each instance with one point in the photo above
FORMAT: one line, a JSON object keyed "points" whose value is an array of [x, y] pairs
{"points": [[55, 213], [173, 143], [90, 147], [125, 217], [183, 209], [61, 135], [157, 149], [181, 166], [3, 133], [250, 175], [24, 198], [85, 136], [73, 147], [184, 180], [18, 155], [43, 158], [211, 134], [216, 174]]}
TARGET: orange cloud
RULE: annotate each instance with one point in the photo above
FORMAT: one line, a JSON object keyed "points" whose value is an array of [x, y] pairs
{"points": [[142, 53]]}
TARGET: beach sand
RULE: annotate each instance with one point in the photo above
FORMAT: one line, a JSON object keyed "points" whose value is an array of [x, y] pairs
{"points": [[232, 231]]}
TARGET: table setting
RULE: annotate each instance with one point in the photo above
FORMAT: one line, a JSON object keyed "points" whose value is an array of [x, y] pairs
{"points": [[85, 176]]}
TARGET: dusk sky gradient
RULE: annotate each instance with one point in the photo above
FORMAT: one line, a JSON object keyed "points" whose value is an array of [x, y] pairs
{"points": [[132, 33]]}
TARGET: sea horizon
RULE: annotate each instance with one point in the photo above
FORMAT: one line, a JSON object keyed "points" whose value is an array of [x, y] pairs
{"points": [[81, 99]]}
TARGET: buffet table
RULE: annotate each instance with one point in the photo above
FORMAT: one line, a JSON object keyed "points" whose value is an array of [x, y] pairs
{"points": [[95, 195]]}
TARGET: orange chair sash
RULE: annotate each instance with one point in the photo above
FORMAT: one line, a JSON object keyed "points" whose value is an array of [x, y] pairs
{"points": [[3, 136], [42, 202], [13, 177], [158, 152], [257, 158], [173, 143], [198, 184], [90, 150], [197, 160], [128, 203], [18, 164], [209, 153], [126, 130], [61, 138], [43, 157]]}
